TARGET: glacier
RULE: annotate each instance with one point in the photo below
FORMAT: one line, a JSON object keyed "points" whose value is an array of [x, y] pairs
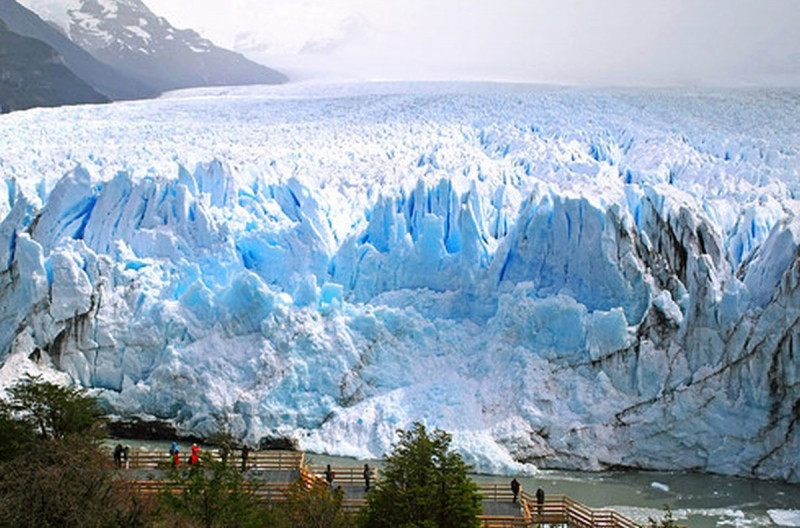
{"points": [[559, 277]]}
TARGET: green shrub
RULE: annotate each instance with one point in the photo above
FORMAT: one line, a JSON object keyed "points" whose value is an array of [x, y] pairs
{"points": [[423, 484]]}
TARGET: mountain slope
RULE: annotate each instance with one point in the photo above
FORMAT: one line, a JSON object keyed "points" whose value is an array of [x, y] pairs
{"points": [[129, 37], [100, 76], [558, 277], [33, 74]]}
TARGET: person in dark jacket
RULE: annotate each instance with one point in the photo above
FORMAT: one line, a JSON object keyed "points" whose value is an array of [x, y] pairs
{"points": [[515, 489], [118, 455], [245, 454], [367, 476], [539, 500]]}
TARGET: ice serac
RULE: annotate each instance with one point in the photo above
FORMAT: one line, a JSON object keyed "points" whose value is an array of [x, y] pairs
{"points": [[554, 281]]}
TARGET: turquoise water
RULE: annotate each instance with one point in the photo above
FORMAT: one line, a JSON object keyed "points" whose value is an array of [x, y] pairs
{"points": [[696, 500]]}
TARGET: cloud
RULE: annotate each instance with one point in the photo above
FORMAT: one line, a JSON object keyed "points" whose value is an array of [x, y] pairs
{"points": [[350, 29], [563, 41]]}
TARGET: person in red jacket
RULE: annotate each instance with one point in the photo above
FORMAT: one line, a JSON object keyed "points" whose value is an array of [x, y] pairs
{"points": [[194, 458]]}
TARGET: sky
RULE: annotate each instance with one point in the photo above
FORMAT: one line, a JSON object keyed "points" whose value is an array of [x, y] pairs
{"points": [[591, 42]]}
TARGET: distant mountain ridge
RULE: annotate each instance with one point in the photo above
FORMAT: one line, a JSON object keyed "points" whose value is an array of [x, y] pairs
{"points": [[102, 77], [128, 36], [118, 48], [33, 74]]}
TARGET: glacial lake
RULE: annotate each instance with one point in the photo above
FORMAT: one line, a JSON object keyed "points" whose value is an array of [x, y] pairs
{"points": [[696, 500]]}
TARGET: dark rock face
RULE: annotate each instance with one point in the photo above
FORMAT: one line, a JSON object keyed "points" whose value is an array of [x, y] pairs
{"points": [[102, 77], [143, 429], [33, 74], [277, 443]]}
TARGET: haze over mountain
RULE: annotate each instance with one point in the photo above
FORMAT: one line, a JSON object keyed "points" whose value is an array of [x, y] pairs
{"points": [[128, 36], [611, 42]]}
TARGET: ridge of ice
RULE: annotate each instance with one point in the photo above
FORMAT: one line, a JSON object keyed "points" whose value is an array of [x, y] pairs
{"points": [[554, 281]]}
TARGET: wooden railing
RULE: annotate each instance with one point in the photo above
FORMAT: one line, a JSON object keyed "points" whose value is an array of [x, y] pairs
{"points": [[503, 521], [496, 492], [555, 510], [502, 493], [345, 475], [263, 460], [269, 491], [561, 509]]}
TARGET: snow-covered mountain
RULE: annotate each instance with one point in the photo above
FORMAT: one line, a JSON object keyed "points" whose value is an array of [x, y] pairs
{"points": [[559, 277], [128, 36], [33, 74], [100, 76]]}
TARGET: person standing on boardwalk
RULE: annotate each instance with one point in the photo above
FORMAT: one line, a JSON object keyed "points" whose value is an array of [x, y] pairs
{"points": [[539, 500], [329, 474], [367, 476], [118, 456], [194, 458], [174, 452], [515, 489], [245, 454]]}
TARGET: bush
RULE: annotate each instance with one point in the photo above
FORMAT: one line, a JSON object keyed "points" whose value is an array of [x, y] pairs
{"points": [[213, 494], [665, 522], [53, 412], [52, 469], [423, 484], [312, 507]]}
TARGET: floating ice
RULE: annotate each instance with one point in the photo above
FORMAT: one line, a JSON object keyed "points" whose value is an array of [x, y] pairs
{"points": [[785, 517], [659, 486]]}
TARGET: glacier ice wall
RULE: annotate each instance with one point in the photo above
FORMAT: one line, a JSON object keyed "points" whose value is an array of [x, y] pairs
{"points": [[562, 278]]}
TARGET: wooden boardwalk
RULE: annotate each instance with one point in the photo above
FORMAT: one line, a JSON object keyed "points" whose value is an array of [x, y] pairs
{"points": [[270, 473]]}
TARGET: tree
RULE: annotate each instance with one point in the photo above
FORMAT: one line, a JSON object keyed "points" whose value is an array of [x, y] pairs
{"points": [[53, 411], [312, 507], [16, 437], [53, 471], [222, 436], [65, 483], [423, 484], [214, 493], [666, 522]]}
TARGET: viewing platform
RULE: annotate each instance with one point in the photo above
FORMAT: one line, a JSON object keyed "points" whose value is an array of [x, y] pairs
{"points": [[270, 474]]}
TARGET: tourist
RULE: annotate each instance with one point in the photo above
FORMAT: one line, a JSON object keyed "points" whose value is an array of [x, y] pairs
{"points": [[329, 474], [245, 454], [367, 476], [194, 458], [118, 456], [174, 452], [539, 500], [515, 489]]}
